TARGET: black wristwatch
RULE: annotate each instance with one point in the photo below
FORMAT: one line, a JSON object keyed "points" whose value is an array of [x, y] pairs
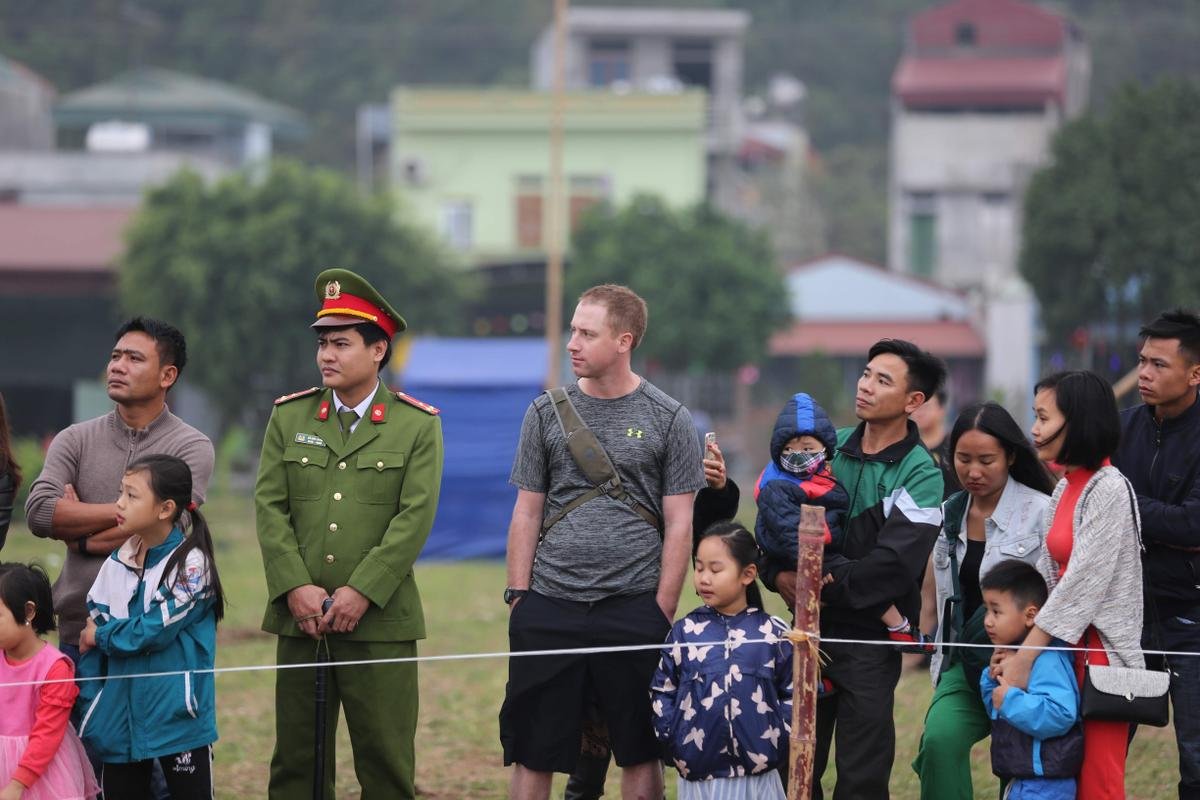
{"points": [[511, 594]]}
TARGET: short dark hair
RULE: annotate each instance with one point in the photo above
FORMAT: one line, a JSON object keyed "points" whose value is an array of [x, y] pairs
{"points": [[1093, 424], [168, 340], [994, 420], [370, 333], [1181, 324], [1021, 580], [21, 584], [926, 372]]}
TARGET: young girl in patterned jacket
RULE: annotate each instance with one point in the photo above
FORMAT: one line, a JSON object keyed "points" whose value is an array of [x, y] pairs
{"points": [[722, 695]]}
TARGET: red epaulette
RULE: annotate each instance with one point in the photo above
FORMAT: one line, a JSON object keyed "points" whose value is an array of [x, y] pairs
{"points": [[415, 403], [302, 393]]}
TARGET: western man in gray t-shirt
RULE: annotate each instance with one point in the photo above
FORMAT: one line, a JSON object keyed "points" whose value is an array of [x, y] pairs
{"points": [[602, 575]]}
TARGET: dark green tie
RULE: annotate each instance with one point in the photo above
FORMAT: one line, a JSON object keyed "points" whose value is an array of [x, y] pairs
{"points": [[347, 419]]}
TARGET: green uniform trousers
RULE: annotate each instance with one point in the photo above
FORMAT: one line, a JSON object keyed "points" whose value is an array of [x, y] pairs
{"points": [[381, 712], [956, 720]]}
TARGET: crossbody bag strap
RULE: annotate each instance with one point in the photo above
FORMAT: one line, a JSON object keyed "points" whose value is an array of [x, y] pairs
{"points": [[593, 460], [1149, 604], [955, 600]]}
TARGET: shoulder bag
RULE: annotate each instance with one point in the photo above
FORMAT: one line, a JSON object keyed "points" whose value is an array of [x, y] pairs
{"points": [[1125, 694]]}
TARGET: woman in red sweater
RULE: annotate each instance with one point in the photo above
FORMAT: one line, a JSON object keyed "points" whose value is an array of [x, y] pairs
{"points": [[1092, 559]]}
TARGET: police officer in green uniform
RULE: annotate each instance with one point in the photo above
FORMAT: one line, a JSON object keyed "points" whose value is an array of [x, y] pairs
{"points": [[346, 495]]}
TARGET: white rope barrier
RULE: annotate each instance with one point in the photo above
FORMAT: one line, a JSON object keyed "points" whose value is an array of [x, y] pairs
{"points": [[568, 652]]}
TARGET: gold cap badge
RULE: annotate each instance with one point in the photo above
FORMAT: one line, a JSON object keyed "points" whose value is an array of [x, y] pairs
{"points": [[333, 290]]}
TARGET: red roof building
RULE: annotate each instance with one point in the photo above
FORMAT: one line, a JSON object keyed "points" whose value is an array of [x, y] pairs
{"points": [[56, 249], [985, 54], [977, 96]]}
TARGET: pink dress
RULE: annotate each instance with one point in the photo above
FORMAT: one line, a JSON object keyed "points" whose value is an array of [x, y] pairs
{"points": [[68, 774]]}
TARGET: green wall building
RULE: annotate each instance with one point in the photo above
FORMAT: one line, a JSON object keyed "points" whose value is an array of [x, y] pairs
{"points": [[473, 164]]}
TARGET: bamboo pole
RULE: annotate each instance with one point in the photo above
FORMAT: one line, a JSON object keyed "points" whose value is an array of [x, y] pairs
{"points": [[805, 660], [556, 215]]}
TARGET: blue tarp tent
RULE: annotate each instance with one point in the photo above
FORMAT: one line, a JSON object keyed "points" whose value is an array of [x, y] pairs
{"points": [[482, 387]]}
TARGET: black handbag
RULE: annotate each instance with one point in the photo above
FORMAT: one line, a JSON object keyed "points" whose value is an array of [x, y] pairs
{"points": [[1124, 694]]}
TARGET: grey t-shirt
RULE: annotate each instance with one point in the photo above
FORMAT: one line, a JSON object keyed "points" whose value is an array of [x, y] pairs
{"points": [[603, 548]]}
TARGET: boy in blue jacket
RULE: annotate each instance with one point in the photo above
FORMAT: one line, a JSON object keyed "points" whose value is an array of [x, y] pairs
{"points": [[1037, 740]]}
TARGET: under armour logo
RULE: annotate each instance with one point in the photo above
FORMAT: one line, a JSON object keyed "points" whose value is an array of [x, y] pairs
{"points": [[632, 433]]}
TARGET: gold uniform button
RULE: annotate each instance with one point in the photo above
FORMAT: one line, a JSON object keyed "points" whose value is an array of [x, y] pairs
{"points": [[329, 558], [304, 460], [379, 464], [337, 495], [341, 465], [333, 526]]}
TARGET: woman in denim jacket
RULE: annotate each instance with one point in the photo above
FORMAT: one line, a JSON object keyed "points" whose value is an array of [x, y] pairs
{"points": [[999, 515]]}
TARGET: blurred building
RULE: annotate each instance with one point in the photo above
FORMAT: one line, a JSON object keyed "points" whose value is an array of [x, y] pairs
{"points": [[57, 303], [152, 109], [842, 306], [656, 50], [64, 211], [26, 101], [472, 164], [978, 94], [78, 178]]}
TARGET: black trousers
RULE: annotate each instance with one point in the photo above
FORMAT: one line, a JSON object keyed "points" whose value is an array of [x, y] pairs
{"points": [[858, 716], [188, 775]]}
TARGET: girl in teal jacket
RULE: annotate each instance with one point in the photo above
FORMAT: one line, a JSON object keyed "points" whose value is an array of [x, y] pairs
{"points": [[153, 609]]}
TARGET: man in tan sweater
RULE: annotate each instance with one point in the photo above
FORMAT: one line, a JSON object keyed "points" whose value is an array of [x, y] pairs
{"points": [[74, 497]]}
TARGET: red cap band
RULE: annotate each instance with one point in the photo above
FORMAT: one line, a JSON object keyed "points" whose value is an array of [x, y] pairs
{"points": [[350, 306]]}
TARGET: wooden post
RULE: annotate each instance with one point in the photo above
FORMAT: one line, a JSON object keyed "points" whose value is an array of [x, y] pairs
{"points": [[556, 216], [805, 663]]}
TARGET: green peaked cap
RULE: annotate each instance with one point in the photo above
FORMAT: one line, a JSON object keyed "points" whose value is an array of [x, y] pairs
{"points": [[347, 298]]}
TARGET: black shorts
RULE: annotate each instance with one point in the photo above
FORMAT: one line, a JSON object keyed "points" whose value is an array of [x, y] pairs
{"points": [[545, 700]]}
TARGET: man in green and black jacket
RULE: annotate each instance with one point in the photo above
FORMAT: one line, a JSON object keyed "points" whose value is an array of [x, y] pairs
{"points": [[895, 490]]}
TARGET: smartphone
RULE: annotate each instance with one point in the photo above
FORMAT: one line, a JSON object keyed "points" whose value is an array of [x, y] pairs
{"points": [[710, 439], [326, 605]]}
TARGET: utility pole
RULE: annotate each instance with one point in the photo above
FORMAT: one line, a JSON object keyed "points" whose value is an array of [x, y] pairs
{"points": [[556, 232], [806, 663]]}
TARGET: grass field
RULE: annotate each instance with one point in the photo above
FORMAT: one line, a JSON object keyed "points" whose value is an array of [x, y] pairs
{"points": [[458, 754]]}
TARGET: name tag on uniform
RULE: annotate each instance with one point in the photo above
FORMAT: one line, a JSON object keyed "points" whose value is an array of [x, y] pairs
{"points": [[308, 438]]}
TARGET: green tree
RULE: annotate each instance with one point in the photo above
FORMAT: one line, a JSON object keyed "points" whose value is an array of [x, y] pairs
{"points": [[1111, 232], [851, 187], [233, 265], [714, 292]]}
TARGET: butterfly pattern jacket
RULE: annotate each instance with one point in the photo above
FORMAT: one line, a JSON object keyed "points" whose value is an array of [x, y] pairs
{"points": [[722, 695]]}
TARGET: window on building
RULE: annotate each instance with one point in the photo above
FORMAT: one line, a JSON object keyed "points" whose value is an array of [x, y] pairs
{"points": [[608, 61], [585, 192], [692, 61], [455, 223], [965, 34], [530, 206], [922, 234]]}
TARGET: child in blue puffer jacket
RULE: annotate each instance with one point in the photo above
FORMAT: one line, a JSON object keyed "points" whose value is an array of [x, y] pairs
{"points": [[1037, 738], [798, 473], [722, 696], [153, 609]]}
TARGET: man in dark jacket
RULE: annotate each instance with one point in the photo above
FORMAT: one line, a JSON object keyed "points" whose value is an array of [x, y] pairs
{"points": [[1160, 455], [895, 514]]}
